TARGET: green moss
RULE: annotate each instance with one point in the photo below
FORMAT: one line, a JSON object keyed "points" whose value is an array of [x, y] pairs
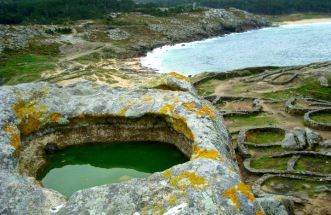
{"points": [[309, 89], [315, 164], [270, 163], [322, 117], [23, 68], [263, 137]]}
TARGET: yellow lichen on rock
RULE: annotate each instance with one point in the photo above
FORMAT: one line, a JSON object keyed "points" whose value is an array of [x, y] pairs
{"points": [[231, 193], [205, 153], [206, 111], [167, 173], [244, 189], [177, 122], [147, 99], [178, 76], [30, 115], [172, 199], [167, 108], [123, 111], [188, 179], [55, 117], [203, 111], [181, 126]]}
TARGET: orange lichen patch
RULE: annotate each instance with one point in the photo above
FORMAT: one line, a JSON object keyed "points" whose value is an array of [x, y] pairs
{"points": [[123, 111], [246, 190], [8, 128], [188, 179], [241, 187], [189, 105], [15, 139], [205, 153], [55, 117], [31, 116], [16, 142], [178, 76], [167, 108], [167, 173], [147, 99], [203, 111], [206, 111], [231, 193], [259, 213]]}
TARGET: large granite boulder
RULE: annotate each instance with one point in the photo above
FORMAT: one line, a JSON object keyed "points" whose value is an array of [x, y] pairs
{"points": [[32, 115]]}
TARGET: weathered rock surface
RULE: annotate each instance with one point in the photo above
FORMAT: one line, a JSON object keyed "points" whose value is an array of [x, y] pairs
{"points": [[300, 139], [324, 81], [207, 184], [273, 205]]}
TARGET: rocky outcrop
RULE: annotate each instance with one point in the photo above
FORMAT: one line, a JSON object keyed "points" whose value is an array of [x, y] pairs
{"points": [[212, 22], [32, 115], [182, 28]]}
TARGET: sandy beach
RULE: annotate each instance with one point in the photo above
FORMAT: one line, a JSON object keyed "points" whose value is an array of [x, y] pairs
{"points": [[307, 21]]}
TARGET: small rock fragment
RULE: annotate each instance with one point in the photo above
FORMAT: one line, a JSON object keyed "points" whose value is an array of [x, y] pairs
{"points": [[324, 81]]}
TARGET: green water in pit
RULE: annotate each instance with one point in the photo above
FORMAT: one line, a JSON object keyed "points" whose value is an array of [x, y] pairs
{"points": [[78, 167]]}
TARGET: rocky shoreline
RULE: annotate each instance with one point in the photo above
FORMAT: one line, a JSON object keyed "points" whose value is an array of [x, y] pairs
{"points": [[98, 45]]}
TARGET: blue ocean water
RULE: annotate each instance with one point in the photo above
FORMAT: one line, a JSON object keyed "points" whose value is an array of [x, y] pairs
{"points": [[278, 46]]}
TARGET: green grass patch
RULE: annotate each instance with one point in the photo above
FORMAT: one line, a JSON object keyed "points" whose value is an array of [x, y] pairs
{"points": [[315, 164], [270, 163], [249, 121], [322, 117], [208, 87], [23, 68], [254, 151], [309, 89], [264, 137], [292, 185]]}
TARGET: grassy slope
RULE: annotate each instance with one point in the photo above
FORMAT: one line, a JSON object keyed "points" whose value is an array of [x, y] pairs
{"points": [[25, 67], [298, 16]]}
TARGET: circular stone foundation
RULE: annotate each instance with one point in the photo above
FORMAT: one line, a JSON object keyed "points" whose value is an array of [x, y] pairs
{"points": [[260, 137], [300, 106], [230, 106], [319, 119]]}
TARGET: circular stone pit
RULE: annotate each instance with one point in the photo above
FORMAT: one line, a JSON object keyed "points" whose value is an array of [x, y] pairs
{"points": [[34, 114]]}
